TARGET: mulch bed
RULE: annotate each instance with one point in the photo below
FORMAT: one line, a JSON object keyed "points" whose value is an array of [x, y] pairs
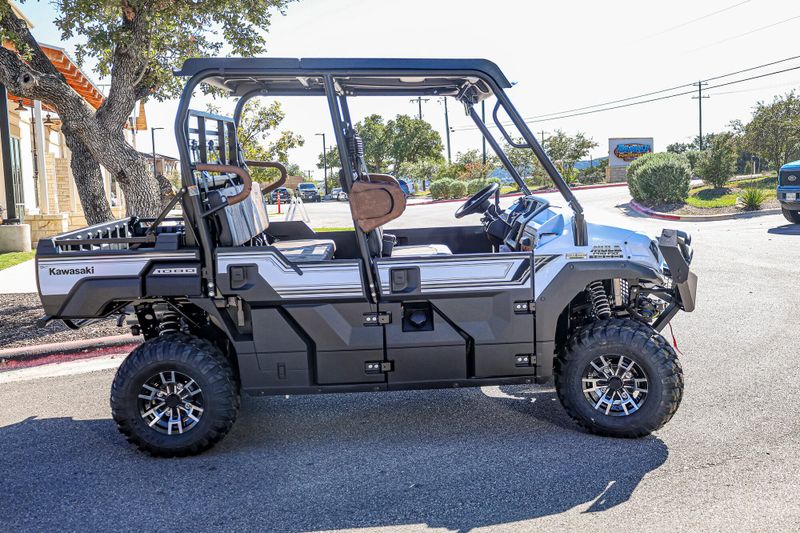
{"points": [[686, 209], [18, 316]]}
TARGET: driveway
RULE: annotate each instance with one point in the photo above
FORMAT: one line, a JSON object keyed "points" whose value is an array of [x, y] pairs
{"points": [[506, 458]]}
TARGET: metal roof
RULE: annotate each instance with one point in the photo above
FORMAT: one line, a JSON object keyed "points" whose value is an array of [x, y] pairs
{"points": [[239, 76]]}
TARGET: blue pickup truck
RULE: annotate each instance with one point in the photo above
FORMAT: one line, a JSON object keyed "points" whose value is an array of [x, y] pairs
{"points": [[789, 191]]}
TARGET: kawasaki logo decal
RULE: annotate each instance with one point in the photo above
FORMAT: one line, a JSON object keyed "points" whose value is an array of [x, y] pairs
{"points": [[53, 271]]}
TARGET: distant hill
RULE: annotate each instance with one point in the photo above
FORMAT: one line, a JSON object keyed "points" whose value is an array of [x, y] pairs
{"points": [[581, 165]]}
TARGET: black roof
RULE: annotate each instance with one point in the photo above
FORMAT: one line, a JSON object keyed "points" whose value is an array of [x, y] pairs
{"points": [[239, 76]]}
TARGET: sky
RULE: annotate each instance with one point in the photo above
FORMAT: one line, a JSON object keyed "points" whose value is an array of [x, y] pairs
{"points": [[560, 55]]}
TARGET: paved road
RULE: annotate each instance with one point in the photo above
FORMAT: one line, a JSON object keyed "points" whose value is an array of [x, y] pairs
{"points": [[505, 458]]}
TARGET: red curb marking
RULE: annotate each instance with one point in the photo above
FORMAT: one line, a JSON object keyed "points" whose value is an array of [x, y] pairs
{"points": [[15, 364], [642, 210], [543, 191]]}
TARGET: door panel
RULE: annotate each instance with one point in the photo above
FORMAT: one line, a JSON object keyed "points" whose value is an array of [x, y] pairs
{"points": [[344, 346], [422, 346], [475, 298]]}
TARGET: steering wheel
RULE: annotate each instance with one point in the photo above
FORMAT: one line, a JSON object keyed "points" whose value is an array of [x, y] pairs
{"points": [[479, 202]]}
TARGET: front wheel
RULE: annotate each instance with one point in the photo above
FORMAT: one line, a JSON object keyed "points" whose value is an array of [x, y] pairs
{"points": [[619, 378], [791, 216], [175, 395]]}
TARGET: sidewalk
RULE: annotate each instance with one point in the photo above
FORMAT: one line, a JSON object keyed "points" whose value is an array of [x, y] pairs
{"points": [[18, 279]]}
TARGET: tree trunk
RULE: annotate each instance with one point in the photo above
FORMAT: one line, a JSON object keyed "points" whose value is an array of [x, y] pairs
{"points": [[132, 170], [88, 181]]}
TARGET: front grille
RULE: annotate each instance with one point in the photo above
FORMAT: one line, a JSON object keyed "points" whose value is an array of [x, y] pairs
{"points": [[786, 178]]}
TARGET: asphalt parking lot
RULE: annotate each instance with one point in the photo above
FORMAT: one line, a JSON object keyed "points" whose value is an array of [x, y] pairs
{"points": [[503, 458]]}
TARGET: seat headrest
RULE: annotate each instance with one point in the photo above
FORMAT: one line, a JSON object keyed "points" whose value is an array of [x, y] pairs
{"points": [[376, 200]]}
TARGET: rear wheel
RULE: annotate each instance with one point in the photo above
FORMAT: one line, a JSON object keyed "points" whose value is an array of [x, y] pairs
{"points": [[175, 395], [791, 216], [619, 378]]}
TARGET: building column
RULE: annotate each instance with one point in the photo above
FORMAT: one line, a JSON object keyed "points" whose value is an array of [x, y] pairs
{"points": [[5, 149], [41, 150]]}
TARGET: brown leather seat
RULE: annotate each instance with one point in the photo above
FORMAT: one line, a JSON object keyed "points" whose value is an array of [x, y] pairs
{"points": [[376, 200]]}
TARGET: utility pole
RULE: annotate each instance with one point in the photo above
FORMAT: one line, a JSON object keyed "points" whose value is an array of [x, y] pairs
{"points": [[153, 143], [542, 136], [699, 99], [446, 127], [324, 162], [419, 101], [483, 138]]}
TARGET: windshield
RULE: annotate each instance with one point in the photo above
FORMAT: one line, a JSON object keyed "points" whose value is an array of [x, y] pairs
{"points": [[306, 186]]}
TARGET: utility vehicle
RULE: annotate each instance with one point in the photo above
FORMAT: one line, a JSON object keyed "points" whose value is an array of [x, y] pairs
{"points": [[230, 302]]}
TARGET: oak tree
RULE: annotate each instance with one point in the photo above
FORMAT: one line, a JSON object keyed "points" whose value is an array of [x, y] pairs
{"points": [[136, 43]]}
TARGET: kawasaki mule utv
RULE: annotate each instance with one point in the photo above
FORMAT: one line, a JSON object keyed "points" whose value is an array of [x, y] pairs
{"points": [[228, 301]]}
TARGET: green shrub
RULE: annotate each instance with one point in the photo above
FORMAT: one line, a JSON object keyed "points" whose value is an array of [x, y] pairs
{"points": [[717, 164], [458, 189], [752, 198], [474, 186], [494, 180], [693, 156], [440, 189], [659, 178]]}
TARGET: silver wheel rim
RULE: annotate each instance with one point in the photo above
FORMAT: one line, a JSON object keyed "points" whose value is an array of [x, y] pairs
{"points": [[614, 385], [171, 402]]}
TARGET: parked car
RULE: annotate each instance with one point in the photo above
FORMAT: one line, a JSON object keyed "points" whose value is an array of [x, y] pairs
{"points": [[286, 195], [308, 192], [789, 191], [408, 187], [338, 194]]}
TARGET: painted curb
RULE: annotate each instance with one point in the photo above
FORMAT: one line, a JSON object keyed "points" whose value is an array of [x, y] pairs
{"points": [[645, 211], [543, 191], [41, 354]]}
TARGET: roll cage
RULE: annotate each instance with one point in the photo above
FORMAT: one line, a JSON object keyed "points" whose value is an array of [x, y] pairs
{"points": [[470, 81]]}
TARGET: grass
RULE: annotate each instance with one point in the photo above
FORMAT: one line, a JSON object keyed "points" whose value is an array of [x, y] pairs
{"points": [[10, 259], [322, 230], [707, 197]]}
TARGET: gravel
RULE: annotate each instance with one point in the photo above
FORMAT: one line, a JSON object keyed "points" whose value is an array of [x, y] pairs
{"points": [[18, 325]]}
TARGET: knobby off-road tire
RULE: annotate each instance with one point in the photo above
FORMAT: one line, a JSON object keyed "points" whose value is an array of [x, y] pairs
{"points": [[791, 216], [653, 359], [195, 364]]}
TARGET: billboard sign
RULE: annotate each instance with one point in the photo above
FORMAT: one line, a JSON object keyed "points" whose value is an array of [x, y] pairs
{"points": [[622, 151]]}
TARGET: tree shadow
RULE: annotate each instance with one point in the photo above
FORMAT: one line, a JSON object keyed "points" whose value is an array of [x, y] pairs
{"points": [[456, 459]]}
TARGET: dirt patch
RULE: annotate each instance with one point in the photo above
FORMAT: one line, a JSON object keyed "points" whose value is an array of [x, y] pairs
{"points": [[686, 209], [18, 325]]}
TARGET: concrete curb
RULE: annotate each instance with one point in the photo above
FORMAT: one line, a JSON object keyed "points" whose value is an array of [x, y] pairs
{"points": [[27, 356], [543, 191], [646, 211]]}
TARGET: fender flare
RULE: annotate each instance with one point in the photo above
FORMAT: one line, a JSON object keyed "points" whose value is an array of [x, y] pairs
{"points": [[570, 281]]}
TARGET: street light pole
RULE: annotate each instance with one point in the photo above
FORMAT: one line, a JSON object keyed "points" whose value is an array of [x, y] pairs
{"points": [[153, 144], [324, 162], [699, 99]]}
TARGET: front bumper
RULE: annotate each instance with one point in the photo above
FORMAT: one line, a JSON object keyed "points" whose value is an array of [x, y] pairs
{"points": [[676, 247], [794, 203]]}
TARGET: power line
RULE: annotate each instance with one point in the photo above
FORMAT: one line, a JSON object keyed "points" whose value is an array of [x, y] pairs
{"points": [[703, 17], [746, 33], [588, 110], [660, 91]]}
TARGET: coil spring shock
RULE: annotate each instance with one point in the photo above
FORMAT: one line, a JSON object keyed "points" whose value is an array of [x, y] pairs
{"points": [[600, 304], [170, 322]]}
